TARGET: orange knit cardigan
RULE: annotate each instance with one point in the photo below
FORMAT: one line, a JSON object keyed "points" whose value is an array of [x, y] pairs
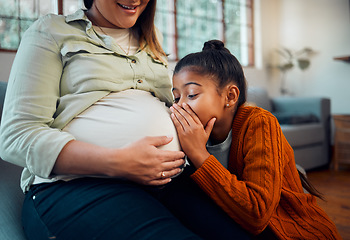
{"points": [[261, 187]]}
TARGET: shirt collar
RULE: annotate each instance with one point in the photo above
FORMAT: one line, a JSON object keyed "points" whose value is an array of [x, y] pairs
{"points": [[78, 15]]}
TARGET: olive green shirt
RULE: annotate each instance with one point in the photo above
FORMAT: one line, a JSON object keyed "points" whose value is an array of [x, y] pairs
{"points": [[61, 68]]}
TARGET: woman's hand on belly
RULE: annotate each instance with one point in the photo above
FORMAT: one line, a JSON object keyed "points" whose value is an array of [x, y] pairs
{"points": [[146, 164], [141, 162]]}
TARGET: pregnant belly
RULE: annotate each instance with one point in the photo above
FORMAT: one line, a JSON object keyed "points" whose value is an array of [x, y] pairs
{"points": [[123, 118]]}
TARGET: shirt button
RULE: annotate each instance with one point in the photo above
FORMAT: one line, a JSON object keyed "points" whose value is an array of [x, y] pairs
{"points": [[133, 61], [139, 81]]}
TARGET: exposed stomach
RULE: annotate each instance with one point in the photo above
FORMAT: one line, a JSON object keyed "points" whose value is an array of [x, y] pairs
{"points": [[122, 118]]}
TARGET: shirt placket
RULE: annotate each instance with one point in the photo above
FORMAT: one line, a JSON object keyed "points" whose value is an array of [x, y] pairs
{"points": [[139, 79]]}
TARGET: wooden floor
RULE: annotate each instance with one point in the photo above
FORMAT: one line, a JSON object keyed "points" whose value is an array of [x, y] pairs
{"points": [[335, 186]]}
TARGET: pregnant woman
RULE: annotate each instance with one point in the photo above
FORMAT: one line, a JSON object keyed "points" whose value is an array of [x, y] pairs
{"points": [[85, 115]]}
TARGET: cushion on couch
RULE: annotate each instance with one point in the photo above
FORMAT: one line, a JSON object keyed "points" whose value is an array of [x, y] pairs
{"points": [[295, 117], [298, 105], [11, 195], [11, 202]]}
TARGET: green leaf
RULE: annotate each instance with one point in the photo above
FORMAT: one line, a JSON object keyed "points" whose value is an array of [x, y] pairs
{"points": [[285, 67], [303, 63], [308, 50]]}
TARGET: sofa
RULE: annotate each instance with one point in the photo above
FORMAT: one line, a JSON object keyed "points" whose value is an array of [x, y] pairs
{"points": [[11, 195], [305, 122], [309, 139]]}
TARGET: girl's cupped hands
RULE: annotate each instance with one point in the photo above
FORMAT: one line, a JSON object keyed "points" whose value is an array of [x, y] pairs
{"points": [[193, 136]]}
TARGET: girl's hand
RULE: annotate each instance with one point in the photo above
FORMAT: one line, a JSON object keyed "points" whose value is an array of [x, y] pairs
{"points": [[192, 134]]}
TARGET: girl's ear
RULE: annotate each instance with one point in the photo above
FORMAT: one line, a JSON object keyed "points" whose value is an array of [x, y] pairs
{"points": [[232, 95]]}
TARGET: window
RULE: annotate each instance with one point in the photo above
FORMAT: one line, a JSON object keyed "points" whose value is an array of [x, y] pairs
{"points": [[17, 15], [187, 24]]}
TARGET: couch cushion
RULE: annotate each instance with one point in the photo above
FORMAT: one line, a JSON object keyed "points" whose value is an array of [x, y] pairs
{"points": [[304, 134], [11, 202], [295, 117], [302, 105]]}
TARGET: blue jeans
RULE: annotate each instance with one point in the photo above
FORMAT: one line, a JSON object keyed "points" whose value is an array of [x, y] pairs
{"points": [[197, 211], [101, 208]]}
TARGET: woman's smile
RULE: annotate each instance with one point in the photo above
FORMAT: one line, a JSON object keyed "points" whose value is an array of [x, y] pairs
{"points": [[129, 8]]}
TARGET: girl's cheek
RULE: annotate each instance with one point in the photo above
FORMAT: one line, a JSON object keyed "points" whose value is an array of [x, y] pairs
{"points": [[198, 110], [202, 117]]}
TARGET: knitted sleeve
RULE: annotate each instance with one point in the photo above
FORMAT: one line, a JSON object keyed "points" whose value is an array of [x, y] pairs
{"points": [[251, 199]]}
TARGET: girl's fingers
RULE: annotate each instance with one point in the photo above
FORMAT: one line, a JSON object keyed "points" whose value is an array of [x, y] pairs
{"points": [[181, 119], [178, 125], [176, 122], [210, 126], [183, 115], [178, 110], [191, 113]]}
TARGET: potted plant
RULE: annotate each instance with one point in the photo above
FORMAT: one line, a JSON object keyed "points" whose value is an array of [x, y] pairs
{"points": [[291, 59]]}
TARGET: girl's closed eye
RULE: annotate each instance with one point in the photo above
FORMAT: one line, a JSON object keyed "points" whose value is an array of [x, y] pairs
{"points": [[192, 96]]}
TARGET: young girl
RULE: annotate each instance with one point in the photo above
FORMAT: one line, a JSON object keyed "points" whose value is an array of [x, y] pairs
{"points": [[242, 159]]}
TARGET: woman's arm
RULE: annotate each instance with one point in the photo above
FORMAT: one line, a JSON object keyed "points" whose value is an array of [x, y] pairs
{"points": [[31, 98]]}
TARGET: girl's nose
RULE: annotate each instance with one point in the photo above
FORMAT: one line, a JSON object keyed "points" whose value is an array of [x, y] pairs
{"points": [[180, 102]]}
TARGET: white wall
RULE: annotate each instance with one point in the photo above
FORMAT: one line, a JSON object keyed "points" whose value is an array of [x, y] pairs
{"points": [[267, 25], [323, 25]]}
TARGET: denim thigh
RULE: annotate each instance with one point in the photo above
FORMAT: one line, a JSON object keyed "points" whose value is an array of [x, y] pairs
{"points": [[98, 208]]}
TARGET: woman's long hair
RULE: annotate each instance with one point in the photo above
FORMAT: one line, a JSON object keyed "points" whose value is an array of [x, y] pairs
{"points": [[147, 30], [148, 35]]}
